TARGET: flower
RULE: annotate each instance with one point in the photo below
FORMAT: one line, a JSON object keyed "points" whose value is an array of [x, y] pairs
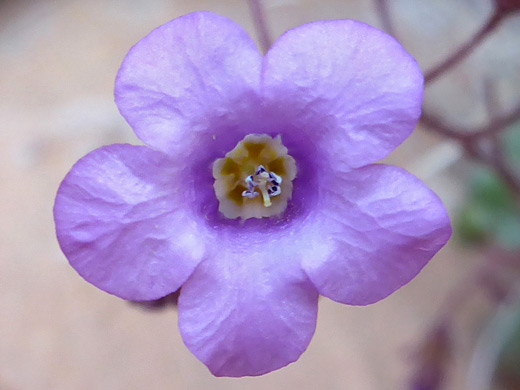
{"points": [[143, 221]]}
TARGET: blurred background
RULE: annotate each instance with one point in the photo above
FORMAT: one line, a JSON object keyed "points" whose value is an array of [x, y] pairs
{"points": [[456, 326]]}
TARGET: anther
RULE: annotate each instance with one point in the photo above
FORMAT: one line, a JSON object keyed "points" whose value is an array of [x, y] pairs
{"points": [[249, 194], [274, 191], [274, 178]]}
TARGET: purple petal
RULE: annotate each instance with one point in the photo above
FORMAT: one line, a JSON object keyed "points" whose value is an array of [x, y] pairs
{"points": [[249, 309], [188, 81], [123, 225], [351, 88], [378, 226]]}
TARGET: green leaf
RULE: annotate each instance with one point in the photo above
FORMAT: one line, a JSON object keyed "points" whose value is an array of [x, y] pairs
{"points": [[489, 191], [491, 212], [511, 145], [472, 225], [507, 230], [508, 367]]}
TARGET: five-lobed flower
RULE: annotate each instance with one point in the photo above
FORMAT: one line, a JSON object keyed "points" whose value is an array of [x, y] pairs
{"points": [[257, 190]]}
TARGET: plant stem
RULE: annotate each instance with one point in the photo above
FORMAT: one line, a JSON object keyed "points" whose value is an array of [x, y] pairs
{"points": [[498, 164], [384, 15], [466, 49], [468, 141], [258, 15], [494, 126]]}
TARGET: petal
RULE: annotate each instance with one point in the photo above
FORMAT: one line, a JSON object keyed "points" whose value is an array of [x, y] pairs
{"points": [[378, 227], [121, 222], [193, 74], [351, 88], [249, 309]]}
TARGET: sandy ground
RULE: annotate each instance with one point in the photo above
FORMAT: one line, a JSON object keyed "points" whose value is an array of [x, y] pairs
{"points": [[58, 61]]}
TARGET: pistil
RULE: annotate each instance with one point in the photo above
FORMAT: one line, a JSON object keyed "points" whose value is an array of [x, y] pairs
{"points": [[262, 185]]}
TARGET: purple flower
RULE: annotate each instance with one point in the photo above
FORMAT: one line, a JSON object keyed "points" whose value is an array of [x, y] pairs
{"points": [[256, 191]]}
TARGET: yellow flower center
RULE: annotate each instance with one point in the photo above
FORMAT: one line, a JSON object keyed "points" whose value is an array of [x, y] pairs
{"points": [[254, 180]]}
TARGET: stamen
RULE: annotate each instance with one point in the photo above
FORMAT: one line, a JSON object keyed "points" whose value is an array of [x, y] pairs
{"points": [[250, 181], [274, 191], [275, 179], [249, 194], [267, 182], [259, 170]]}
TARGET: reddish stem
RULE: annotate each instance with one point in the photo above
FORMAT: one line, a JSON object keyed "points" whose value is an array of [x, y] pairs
{"points": [[490, 97], [258, 14], [466, 49], [468, 141], [384, 14], [498, 164], [435, 124], [494, 126]]}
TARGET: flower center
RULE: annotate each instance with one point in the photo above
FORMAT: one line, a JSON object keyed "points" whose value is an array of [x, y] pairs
{"points": [[254, 180]]}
